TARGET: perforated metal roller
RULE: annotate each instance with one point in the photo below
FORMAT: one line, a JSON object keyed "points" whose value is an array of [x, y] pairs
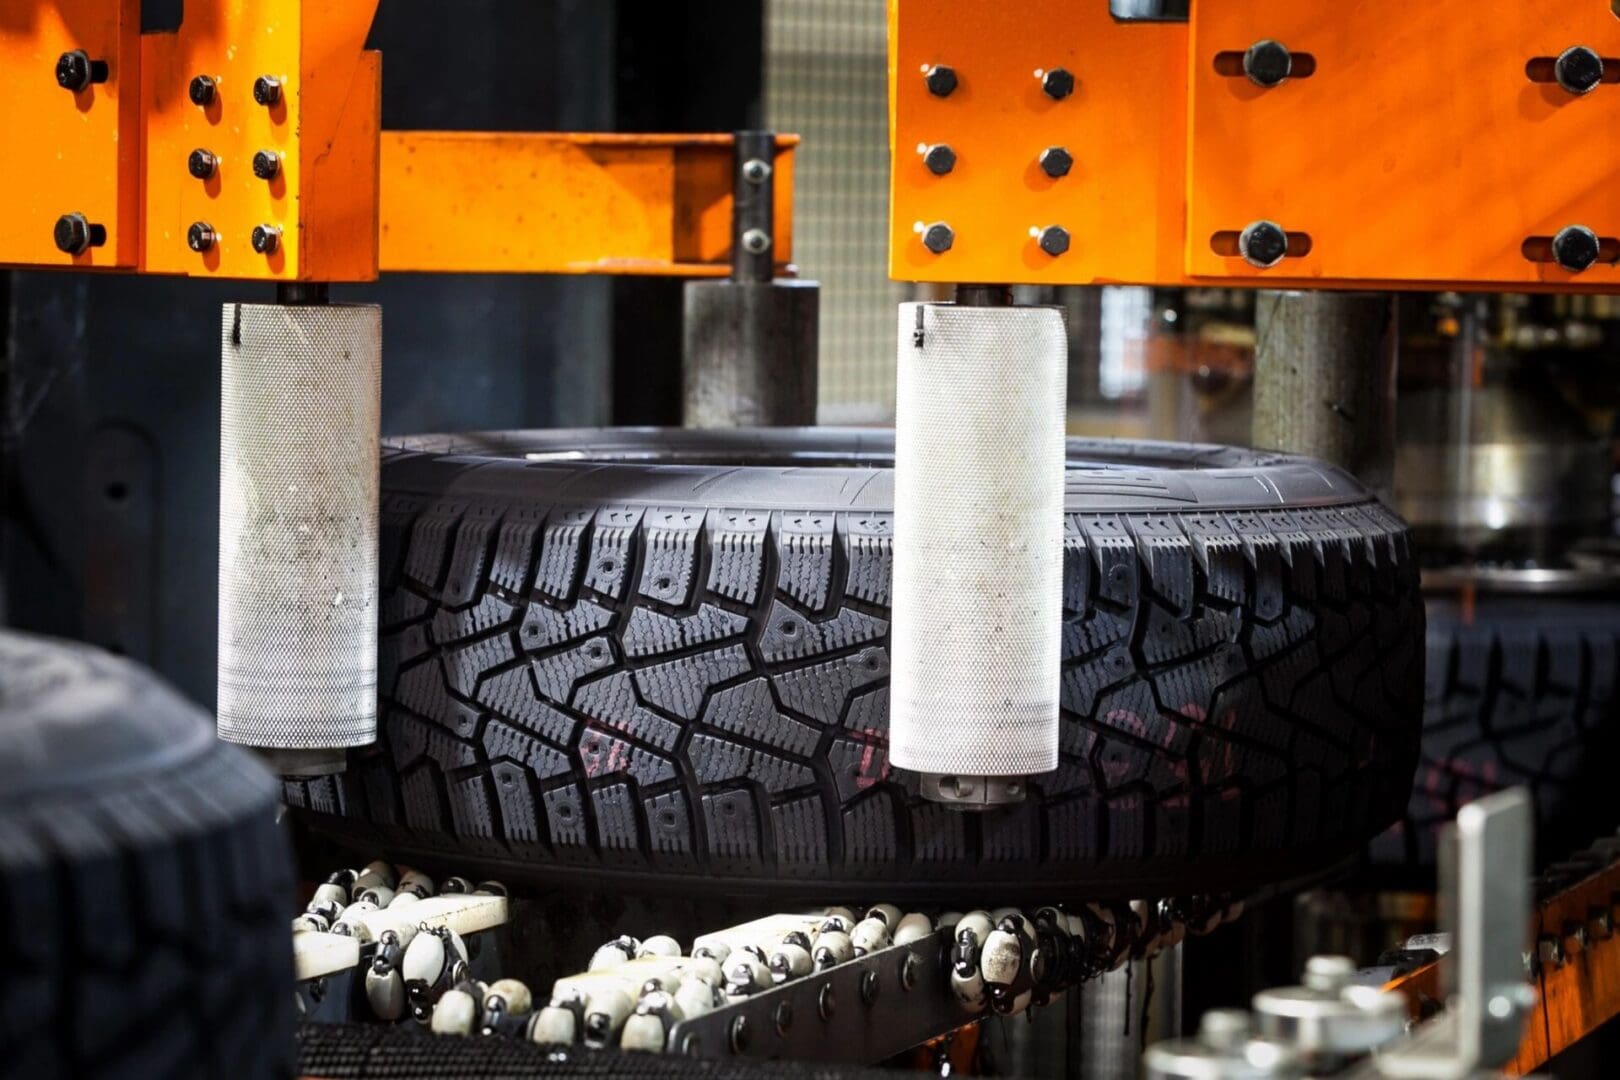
{"points": [[978, 551], [300, 409]]}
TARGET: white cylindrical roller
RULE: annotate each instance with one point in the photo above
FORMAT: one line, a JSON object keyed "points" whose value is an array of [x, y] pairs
{"points": [[300, 413], [978, 540]]}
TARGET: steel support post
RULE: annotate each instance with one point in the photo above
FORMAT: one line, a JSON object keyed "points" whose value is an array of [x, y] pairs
{"points": [[1324, 380], [750, 343]]}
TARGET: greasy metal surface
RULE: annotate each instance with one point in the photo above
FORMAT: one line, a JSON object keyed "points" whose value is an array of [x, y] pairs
{"points": [[325, 128], [750, 353], [1324, 380], [831, 1018], [1418, 149], [483, 202], [69, 152]]}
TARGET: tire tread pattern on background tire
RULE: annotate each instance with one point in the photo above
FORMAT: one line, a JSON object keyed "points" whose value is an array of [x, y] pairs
{"points": [[143, 915]]}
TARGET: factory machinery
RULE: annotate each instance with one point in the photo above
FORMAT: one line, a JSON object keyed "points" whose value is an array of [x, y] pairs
{"points": [[957, 721]]}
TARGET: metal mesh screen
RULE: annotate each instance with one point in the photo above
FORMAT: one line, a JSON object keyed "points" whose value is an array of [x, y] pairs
{"points": [[826, 79]]}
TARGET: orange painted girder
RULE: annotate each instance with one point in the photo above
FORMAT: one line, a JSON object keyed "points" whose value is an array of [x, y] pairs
{"points": [[1419, 150], [1125, 126], [324, 128], [1418, 154], [65, 152], [543, 203]]}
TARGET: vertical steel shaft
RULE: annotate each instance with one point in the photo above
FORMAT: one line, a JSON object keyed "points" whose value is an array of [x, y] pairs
{"points": [[1324, 380]]}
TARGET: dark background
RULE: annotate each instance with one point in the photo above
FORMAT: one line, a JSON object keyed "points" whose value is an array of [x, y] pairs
{"points": [[110, 384]]}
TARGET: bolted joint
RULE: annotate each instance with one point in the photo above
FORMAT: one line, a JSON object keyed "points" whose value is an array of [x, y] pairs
{"points": [[1575, 248], [938, 238], [756, 241], [267, 90], [201, 237], [266, 239], [939, 158], [267, 165], [202, 164], [1058, 83], [1578, 70], [75, 71], [202, 91], [1267, 63], [1056, 162], [1054, 240], [75, 234], [1263, 244], [941, 80], [756, 170]]}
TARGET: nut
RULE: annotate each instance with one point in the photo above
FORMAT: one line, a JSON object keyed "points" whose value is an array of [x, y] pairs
{"points": [[202, 91], [267, 90], [1575, 248], [941, 80], [1056, 162], [1578, 69], [267, 164], [201, 237], [1054, 240], [1058, 83], [940, 159], [1268, 63], [1263, 244], [202, 164], [266, 239], [938, 238]]}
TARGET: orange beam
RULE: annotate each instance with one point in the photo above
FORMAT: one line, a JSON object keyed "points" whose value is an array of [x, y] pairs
{"points": [[67, 150], [1421, 147], [475, 202]]}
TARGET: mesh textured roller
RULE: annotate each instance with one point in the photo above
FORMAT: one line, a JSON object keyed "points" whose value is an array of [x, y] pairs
{"points": [[300, 404], [661, 656], [978, 564], [143, 880], [1521, 689]]}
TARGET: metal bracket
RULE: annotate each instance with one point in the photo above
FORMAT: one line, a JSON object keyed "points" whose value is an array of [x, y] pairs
{"points": [[1485, 871]]}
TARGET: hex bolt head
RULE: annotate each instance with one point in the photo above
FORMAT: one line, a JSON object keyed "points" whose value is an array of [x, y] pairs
{"points": [[75, 234], [756, 241], [1268, 63], [267, 90], [1575, 248], [1054, 240], [1056, 162], [266, 239], [1263, 244], [202, 91], [1058, 83], [940, 159], [1578, 69], [756, 170], [938, 238], [75, 71], [201, 237], [941, 80], [202, 164], [267, 164]]}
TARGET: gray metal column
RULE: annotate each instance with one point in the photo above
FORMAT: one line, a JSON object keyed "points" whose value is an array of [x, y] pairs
{"points": [[750, 346], [1324, 380], [1123, 1011]]}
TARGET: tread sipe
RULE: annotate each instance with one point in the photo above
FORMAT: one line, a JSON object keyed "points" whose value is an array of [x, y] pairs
{"points": [[661, 656]]}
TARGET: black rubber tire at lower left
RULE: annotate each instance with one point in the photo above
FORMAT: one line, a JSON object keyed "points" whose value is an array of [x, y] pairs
{"points": [[144, 882]]}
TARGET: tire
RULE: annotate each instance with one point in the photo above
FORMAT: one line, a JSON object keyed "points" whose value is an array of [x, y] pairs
{"points": [[144, 884], [658, 657], [1521, 689]]}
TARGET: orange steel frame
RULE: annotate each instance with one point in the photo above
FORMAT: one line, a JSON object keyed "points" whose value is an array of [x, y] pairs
{"points": [[1418, 154], [349, 199]]}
